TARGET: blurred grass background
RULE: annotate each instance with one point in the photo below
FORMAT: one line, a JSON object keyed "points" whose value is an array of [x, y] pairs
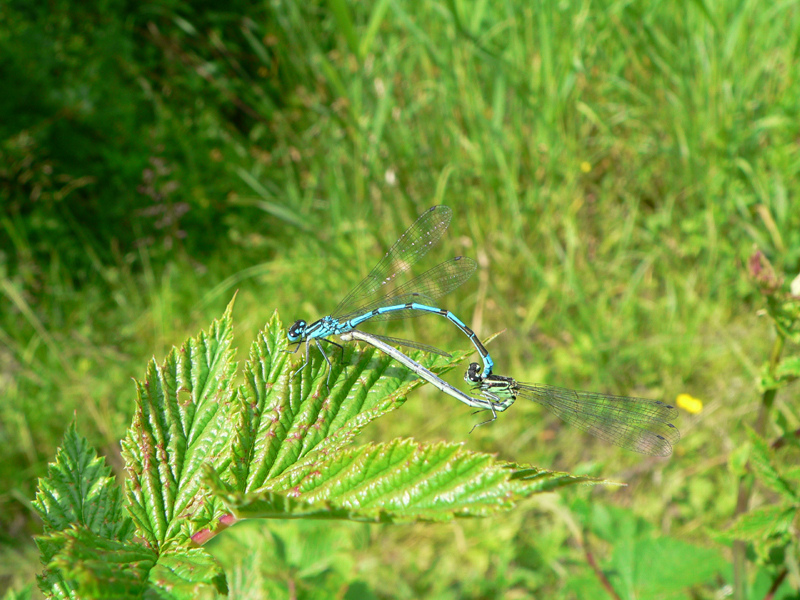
{"points": [[609, 165]]}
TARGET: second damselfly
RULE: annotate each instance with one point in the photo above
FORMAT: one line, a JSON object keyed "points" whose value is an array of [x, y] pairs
{"points": [[636, 424]]}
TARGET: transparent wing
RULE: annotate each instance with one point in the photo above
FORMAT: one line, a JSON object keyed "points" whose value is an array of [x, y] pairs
{"points": [[406, 251], [635, 424], [432, 284]]}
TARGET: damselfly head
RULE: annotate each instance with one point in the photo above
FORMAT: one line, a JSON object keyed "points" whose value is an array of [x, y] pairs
{"points": [[473, 374], [296, 331]]}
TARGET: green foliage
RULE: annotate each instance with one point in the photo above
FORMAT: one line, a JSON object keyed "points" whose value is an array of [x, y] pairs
{"points": [[765, 469], [180, 423], [78, 499], [312, 558], [763, 524], [610, 165], [79, 490], [274, 447], [769, 530], [643, 564], [96, 566], [397, 482], [188, 573]]}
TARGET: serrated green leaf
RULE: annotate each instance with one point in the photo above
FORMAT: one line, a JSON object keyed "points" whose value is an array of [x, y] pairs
{"points": [[79, 490], [186, 574], [765, 471], [288, 451], [181, 421], [53, 585], [291, 457], [761, 523], [399, 481], [97, 567], [281, 419], [271, 421]]}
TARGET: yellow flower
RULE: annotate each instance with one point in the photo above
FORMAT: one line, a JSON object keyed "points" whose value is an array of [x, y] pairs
{"points": [[586, 167], [689, 403]]}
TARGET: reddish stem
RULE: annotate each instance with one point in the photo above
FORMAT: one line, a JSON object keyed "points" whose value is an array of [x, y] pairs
{"points": [[202, 536], [597, 571]]}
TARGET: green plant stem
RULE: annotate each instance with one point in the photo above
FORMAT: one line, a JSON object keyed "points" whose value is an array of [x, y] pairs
{"points": [[746, 483]]}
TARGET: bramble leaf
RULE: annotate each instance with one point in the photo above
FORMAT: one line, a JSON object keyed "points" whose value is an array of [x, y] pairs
{"points": [[99, 568], [280, 418], [292, 459], [762, 464], [279, 445], [187, 573], [399, 481], [181, 421], [79, 489], [760, 524]]}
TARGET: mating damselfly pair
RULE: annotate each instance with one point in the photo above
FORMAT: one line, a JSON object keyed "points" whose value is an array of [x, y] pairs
{"points": [[635, 424]]}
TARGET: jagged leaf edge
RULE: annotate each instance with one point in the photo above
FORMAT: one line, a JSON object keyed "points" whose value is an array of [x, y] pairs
{"points": [[80, 488], [78, 480], [83, 556], [101, 568], [190, 390], [271, 408], [285, 497], [281, 418], [763, 465], [759, 524]]}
